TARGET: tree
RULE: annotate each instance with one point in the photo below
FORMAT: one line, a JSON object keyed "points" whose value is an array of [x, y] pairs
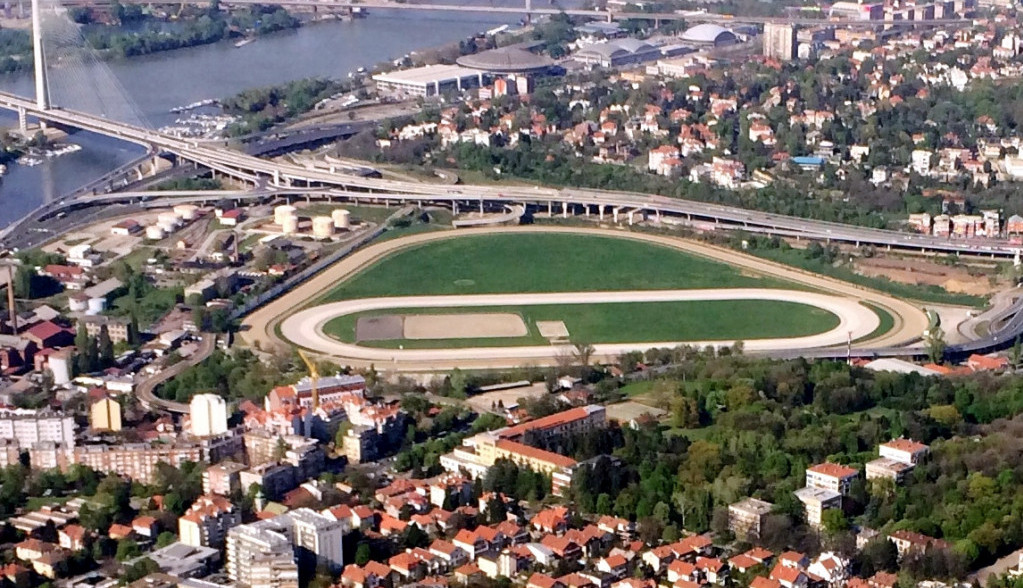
{"points": [[127, 549], [934, 340], [165, 539], [362, 554], [833, 520], [106, 347], [23, 279]]}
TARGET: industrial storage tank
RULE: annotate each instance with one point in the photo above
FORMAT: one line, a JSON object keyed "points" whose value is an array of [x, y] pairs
{"points": [[186, 211], [323, 227], [78, 302], [168, 218], [289, 225], [342, 218], [96, 305], [166, 226], [283, 212], [155, 232]]}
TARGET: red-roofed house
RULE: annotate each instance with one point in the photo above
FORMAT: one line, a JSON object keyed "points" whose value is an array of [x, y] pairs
{"points": [[682, 570], [713, 569], [407, 566], [452, 555], [551, 520], [789, 577], [614, 565], [539, 580], [762, 582], [562, 547], [72, 537], [471, 543]]}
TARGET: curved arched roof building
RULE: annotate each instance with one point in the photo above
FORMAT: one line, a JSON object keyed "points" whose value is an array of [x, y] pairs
{"points": [[709, 34], [507, 60]]}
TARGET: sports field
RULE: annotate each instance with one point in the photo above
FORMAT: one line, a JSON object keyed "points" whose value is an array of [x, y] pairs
{"points": [[541, 262], [627, 322]]}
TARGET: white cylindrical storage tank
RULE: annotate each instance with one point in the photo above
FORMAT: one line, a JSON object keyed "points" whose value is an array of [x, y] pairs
{"points": [[168, 218], [167, 227], [283, 212], [186, 211], [323, 227], [289, 225], [78, 302], [96, 305], [342, 218], [155, 232]]}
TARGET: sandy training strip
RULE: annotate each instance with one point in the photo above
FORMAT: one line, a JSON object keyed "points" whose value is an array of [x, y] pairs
{"points": [[464, 326]]}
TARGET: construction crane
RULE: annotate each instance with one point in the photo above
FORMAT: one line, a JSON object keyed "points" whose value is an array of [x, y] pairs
{"points": [[314, 377]]}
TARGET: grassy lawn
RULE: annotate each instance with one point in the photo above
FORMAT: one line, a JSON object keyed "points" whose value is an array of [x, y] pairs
{"points": [[37, 502], [372, 214], [628, 322], [488, 264], [887, 321]]}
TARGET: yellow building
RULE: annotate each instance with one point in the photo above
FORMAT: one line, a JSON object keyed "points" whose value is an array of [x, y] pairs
{"points": [[105, 415]]}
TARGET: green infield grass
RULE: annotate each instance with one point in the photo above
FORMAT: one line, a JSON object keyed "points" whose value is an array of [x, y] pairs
{"points": [[624, 322]]}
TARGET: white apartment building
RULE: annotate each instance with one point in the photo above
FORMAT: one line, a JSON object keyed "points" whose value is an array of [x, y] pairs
{"points": [[28, 427], [904, 451], [208, 415], [207, 521], [254, 550], [831, 476]]}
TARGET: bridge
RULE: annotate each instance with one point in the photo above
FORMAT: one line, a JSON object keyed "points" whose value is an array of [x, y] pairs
{"points": [[529, 9]]}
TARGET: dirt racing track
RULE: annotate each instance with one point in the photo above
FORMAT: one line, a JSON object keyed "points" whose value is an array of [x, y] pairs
{"points": [[301, 324], [305, 328]]}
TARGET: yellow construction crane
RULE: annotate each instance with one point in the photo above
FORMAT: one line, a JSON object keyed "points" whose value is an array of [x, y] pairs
{"points": [[314, 377]]}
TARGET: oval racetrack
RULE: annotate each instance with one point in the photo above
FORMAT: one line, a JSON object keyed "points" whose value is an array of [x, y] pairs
{"points": [[305, 328], [284, 321]]}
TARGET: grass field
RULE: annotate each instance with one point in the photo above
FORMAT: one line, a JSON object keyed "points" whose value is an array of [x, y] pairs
{"points": [[490, 264], [638, 322]]}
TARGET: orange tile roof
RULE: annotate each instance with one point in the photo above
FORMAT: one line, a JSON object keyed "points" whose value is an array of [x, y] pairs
{"points": [[759, 554], [742, 562], [834, 470], [442, 546], [469, 569], [783, 573], [683, 583], [762, 582], [118, 531], [547, 422], [377, 569], [541, 580], [207, 506], [907, 445], [534, 453]]}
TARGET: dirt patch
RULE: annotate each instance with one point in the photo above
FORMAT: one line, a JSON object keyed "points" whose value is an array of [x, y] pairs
{"points": [[552, 329], [464, 326], [921, 272], [624, 412], [379, 328]]}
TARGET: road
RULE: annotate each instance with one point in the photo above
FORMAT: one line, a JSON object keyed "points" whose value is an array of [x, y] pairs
{"points": [[690, 16], [261, 325], [144, 391]]}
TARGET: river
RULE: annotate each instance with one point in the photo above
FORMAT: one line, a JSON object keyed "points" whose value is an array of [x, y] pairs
{"points": [[156, 83]]}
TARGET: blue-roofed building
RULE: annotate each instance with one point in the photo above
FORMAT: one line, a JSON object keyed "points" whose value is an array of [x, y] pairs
{"points": [[808, 161]]}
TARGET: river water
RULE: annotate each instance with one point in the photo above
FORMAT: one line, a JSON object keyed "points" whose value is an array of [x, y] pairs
{"points": [[159, 82]]}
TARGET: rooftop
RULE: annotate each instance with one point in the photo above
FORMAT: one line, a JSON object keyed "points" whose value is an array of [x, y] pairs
{"points": [[428, 74], [506, 60], [813, 494], [833, 470]]}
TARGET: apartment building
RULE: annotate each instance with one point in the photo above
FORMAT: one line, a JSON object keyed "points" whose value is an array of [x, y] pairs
{"points": [[831, 476], [28, 427], [746, 517], [207, 521], [257, 553]]}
